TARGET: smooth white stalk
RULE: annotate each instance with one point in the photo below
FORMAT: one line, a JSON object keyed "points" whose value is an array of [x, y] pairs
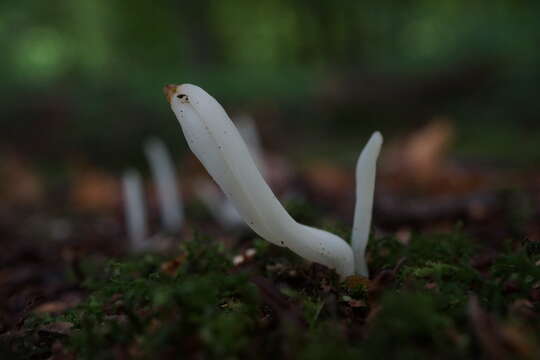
{"points": [[365, 187], [215, 141], [169, 198], [134, 210], [222, 209], [248, 131]]}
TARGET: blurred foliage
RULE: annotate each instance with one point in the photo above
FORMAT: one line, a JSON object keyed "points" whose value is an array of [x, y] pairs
{"points": [[93, 69]]}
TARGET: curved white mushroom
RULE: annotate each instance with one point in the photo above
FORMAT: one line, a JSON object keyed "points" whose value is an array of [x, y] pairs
{"points": [[221, 208], [365, 187], [215, 141]]}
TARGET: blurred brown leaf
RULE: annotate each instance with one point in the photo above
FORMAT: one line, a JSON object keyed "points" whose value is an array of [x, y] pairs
{"points": [[421, 155], [170, 267], [420, 162], [60, 328], [329, 181], [94, 190], [19, 183], [58, 306]]}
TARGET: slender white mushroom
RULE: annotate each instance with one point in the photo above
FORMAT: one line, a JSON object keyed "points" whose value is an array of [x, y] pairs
{"points": [[216, 142], [248, 131], [169, 198], [365, 188], [135, 211], [222, 209]]}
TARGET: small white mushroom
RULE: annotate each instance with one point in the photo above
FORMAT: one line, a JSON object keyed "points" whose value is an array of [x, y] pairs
{"points": [[169, 198], [135, 211]]}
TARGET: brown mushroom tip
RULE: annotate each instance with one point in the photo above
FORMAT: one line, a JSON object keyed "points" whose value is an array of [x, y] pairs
{"points": [[170, 91]]}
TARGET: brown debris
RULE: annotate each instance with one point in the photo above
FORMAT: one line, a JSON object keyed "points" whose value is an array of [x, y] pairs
{"points": [[328, 180], [422, 155], [355, 281], [95, 191], [57, 328], [20, 183], [283, 306], [499, 341], [171, 267]]}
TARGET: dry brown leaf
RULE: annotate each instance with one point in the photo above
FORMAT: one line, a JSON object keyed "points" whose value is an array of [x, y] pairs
{"points": [[20, 183], [61, 327], [329, 180], [354, 281], [95, 190], [421, 156], [170, 267], [518, 341], [357, 303], [425, 150], [58, 306], [499, 341]]}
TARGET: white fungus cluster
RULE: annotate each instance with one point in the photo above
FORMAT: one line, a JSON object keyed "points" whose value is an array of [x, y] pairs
{"points": [[216, 142]]}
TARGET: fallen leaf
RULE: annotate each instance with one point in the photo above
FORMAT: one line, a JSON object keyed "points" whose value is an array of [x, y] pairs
{"points": [[170, 267], [61, 328], [95, 190]]}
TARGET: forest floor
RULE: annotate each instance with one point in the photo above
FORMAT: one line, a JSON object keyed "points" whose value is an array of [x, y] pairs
{"points": [[454, 263]]}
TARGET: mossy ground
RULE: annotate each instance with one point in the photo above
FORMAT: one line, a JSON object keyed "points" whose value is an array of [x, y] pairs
{"points": [[439, 296]]}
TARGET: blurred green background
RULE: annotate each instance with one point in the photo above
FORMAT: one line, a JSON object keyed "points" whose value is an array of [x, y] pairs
{"points": [[82, 80]]}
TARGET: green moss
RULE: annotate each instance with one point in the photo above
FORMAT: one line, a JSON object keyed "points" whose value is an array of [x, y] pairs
{"points": [[384, 253], [197, 304], [410, 327]]}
